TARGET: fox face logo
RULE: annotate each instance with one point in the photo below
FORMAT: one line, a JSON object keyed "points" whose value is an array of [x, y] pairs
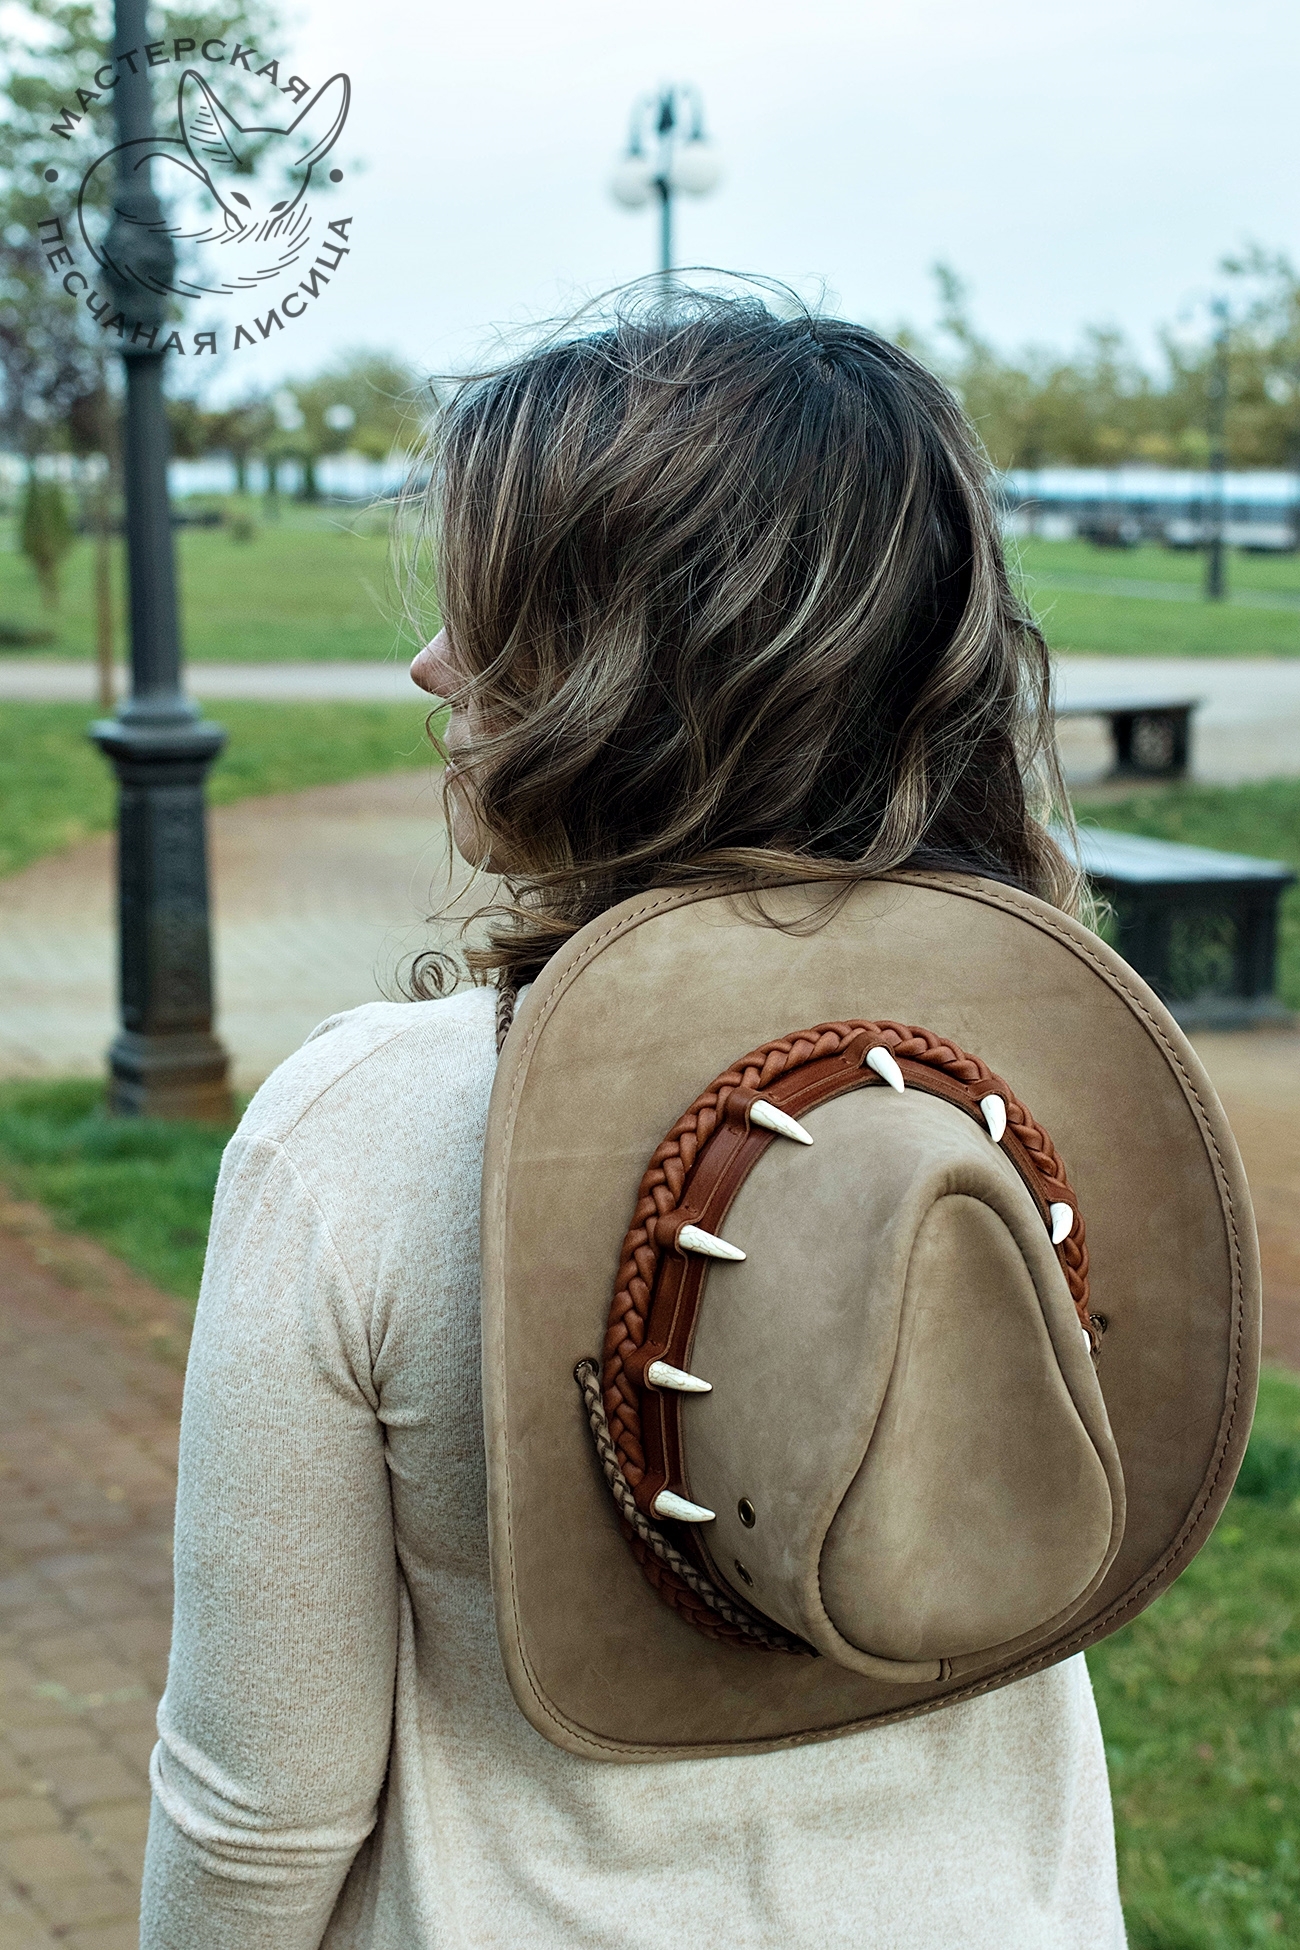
{"points": [[235, 229]]}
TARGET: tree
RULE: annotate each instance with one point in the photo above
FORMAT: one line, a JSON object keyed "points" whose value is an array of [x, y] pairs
{"points": [[49, 49], [46, 361], [92, 433], [1100, 406], [45, 533], [368, 403], [243, 432], [1093, 410]]}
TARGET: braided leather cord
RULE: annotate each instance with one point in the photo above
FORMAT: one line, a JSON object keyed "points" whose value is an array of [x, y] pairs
{"points": [[750, 1629], [507, 996], [661, 1193]]}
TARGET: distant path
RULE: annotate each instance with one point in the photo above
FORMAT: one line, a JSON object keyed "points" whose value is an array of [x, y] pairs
{"points": [[34, 680], [1248, 728], [1257, 1074]]}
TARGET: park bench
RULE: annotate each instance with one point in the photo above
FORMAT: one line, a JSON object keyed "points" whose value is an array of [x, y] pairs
{"points": [[1151, 736], [1200, 926]]}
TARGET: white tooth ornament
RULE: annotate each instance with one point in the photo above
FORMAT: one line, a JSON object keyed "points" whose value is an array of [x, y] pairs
{"points": [[769, 1118], [879, 1060], [994, 1113], [666, 1504], [694, 1239], [1062, 1221], [660, 1374]]}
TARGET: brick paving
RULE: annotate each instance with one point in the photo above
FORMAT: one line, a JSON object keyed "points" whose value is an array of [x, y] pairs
{"points": [[92, 1359]]}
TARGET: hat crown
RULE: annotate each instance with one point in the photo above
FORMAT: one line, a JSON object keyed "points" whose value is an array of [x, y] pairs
{"points": [[903, 1405]]}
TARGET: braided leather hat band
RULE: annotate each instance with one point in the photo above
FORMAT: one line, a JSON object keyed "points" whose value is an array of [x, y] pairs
{"points": [[692, 1178]]}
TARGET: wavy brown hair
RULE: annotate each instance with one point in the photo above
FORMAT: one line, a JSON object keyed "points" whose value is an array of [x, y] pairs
{"points": [[729, 591]]}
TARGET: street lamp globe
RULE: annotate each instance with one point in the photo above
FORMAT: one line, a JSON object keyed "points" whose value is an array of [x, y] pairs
{"points": [[633, 183], [695, 168]]}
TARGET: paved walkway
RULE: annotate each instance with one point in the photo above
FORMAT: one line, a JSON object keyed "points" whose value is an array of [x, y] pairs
{"points": [[1248, 726], [92, 1359], [36, 680], [319, 897]]}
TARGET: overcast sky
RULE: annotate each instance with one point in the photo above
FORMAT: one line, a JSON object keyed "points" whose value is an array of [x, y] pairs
{"points": [[1073, 163]]}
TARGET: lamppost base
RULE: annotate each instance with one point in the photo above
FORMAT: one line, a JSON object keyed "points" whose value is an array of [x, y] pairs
{"points": [[171, 1076], [164, 1061]]}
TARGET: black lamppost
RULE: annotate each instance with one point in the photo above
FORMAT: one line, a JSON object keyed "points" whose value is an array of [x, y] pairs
{"points": [[164, 1060], [667, 151], [1215, 567]]}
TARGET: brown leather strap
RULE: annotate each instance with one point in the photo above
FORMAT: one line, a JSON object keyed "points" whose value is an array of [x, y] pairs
{"points": [[692, 1178], [507, 997]]}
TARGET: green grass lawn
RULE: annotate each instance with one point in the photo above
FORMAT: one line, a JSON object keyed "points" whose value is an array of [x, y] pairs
{"points": [[1093, 622], [1263, 819], [314, 586], [1200, 1706], [1258, 574], [318, 585], [1199, 1697], [55, 788], [1080, 624], [140, 1186]]}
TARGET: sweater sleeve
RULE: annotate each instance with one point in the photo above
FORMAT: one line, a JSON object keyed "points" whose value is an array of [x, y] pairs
{"points": [[275, 1725]]}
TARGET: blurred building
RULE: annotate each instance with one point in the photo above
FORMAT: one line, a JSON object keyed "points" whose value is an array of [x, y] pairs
{"points": [[1122, 506]]}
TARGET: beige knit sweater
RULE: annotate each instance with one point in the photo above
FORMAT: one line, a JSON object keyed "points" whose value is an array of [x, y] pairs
{"points": [[340, 1761]]}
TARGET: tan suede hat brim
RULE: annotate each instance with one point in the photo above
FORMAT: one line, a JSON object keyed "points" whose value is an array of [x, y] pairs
{"points": [[616, 1037]]}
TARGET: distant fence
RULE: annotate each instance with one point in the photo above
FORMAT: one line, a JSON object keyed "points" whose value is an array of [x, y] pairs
{"points": [[1118, 506], [1122, 506], [339, 477]]}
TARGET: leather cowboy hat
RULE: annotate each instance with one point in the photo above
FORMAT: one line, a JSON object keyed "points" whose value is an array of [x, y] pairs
{"points": [[871, 1312]]}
